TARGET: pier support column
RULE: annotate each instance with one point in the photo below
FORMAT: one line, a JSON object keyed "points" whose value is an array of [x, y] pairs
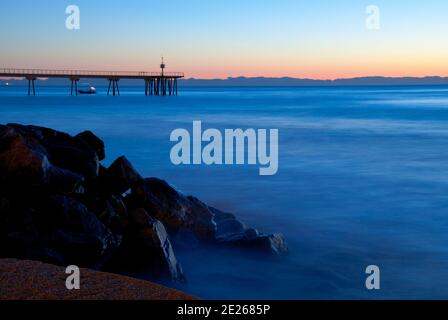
{"points": [[113, 82], [149, 87], [31, 85], [175, 85], [74, 82]]}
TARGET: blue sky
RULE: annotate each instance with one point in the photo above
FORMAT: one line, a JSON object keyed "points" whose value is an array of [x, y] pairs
{"points": [[210, 38]]}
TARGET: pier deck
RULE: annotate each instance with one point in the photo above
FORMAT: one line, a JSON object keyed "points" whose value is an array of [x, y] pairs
{"points": [[156, 83]]}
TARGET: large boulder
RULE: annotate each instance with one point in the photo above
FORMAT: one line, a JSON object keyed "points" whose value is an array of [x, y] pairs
{"points": [[31, 280], [24, 165], [108, 211], [172, 208], [120, 176], [42, 134], [56, 229], [151, 243], [79, 234], [120, 209], [74, 155], [93, 142], [22, 160], [63, 150]]}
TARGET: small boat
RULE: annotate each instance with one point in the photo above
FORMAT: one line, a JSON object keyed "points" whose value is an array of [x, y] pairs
{"points": [[91, 90]]}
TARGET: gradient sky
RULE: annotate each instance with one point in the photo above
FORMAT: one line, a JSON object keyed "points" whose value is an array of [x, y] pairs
{"points": [[323, 39]]}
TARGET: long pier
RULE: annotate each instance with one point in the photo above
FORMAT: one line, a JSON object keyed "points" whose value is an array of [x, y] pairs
{"points": [[156, 83]]}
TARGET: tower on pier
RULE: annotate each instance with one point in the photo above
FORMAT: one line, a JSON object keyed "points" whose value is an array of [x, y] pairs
{"points": [[162, 66]]}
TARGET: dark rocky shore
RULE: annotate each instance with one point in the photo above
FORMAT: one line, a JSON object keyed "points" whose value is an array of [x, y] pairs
{"points": [[59, 205]]}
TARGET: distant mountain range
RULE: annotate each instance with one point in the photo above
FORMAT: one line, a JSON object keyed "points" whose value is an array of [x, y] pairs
{"points": [[265, 82], [297, 82]]}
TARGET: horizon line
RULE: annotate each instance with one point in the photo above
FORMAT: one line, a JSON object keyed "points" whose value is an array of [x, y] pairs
{"points": [[283, 77]]}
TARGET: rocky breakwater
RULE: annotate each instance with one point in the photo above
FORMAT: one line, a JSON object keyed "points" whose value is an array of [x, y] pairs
{"points": [[60, 205]]}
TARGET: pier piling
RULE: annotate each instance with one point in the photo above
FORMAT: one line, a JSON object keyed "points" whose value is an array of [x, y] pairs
{"points": [[31, 85], [114, 83], [74, 85]]}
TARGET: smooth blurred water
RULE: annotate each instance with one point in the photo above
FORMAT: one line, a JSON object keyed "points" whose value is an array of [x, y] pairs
{"points": [[362, 180]]}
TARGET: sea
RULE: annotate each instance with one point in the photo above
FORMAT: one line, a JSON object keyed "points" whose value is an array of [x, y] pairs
{"points": [[362, 180]]}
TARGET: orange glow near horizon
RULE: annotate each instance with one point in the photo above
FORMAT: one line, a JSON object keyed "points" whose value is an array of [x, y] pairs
{"points": [[320, 68]]}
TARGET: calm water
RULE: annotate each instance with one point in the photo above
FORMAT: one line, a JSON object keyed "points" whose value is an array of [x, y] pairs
{"points": [[363, 179]]}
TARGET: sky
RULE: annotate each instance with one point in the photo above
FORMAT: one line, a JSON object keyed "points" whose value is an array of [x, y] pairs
{"points": [[320, 39]]}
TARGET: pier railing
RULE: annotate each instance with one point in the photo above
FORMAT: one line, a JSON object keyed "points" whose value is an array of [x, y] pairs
{"points": [[156, 83], [13, 72]]}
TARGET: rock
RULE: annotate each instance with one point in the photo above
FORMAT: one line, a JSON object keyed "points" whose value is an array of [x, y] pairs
{"points": [[74, 155], [149, 242], [100, 186], [24, 166], [27, 246], [228, 227], [251, 234], [7, 135], [78, 233], [23, 161], [57, 230], [31, 280], [123, 218], [61, 149], [58, 204], [65, 181], [275, 243], [104, 210], [5, 208], [233, 232], [42, 134], [139, 217], [173, 209], [121, 176], [94, 142]]}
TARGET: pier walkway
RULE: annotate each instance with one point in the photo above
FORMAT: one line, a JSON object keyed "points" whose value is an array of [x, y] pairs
{"points": [[156, 83]]}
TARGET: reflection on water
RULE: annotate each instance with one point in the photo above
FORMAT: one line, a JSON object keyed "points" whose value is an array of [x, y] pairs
{"points": [[362, 180]]}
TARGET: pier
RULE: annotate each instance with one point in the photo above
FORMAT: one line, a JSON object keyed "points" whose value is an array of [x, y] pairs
{"points": [[156, 83]]}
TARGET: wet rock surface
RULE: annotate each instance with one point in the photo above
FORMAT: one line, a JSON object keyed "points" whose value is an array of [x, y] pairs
{"points": [[59, 205]]}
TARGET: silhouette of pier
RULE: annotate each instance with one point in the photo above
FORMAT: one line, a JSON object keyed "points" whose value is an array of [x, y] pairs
{"points": [[156, 83]]}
